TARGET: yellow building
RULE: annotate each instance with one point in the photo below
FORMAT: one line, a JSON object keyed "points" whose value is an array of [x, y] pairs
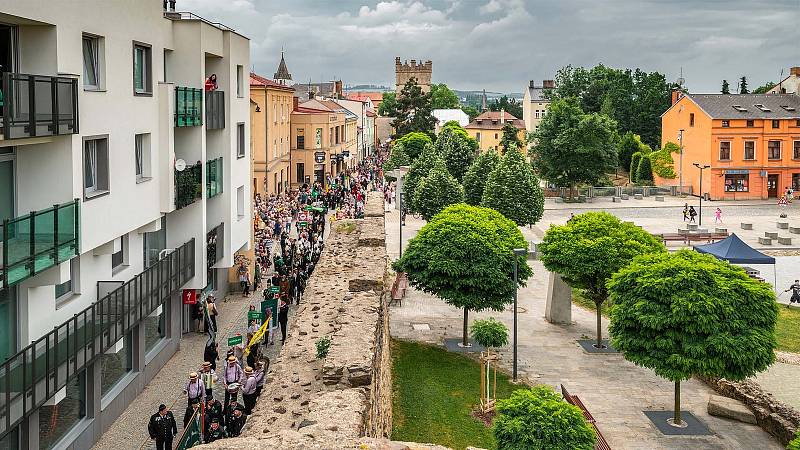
{"points": [[487, 129], [271, 106], [318, 141]]}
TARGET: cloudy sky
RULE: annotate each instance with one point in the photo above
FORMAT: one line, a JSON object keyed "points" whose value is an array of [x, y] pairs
{"points": [[498, 45]]}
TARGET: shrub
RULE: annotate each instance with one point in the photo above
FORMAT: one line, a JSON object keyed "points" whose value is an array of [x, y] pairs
{"points": [[414, 143], [397, 158], [644, 174], [457, 149], [662, 161], [489, 333], [634, 169], [323, 345], [538, 419], [794, 444]]}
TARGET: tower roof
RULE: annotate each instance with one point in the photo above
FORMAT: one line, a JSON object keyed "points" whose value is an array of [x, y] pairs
{"points": [[283, 71]]}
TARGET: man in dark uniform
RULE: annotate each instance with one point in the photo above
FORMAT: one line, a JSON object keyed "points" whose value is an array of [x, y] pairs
{"points": [[162, 428], [795, 288], [215, 431], [214, 411], [235, 422]]}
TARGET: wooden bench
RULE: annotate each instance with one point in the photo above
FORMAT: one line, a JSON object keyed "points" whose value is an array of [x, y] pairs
{"points": [[624, 196], [601, 443], [659, 198], [616, 199], [638, 196], [399, 288], [720, 230], [692, 226]]}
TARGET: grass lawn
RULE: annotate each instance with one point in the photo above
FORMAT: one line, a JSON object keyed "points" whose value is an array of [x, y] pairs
{"points": [[434, 394], [787, 331]]}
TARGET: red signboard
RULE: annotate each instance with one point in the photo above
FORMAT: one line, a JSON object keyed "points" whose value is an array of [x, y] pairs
{"points": [[190, 296]]}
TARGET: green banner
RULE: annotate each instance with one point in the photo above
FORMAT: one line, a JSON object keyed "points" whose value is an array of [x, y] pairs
{"points": [[302, 224], [254, 315], [308, 208], [234, 340], [272, 305], [275, 289], [192, 434]]}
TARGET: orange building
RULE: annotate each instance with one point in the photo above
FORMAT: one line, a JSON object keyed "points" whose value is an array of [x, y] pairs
{"points": [[750, 141], [487, 129]]}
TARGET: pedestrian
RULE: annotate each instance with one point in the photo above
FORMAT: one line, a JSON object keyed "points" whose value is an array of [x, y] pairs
{"points": [[231, 379], [162, 428], [208, 377], [795, 288], [235, 422], [194, 389], [215, 432], [211, 306], [692, 214], [211, 354], [249, 390], [260, 375], [718, 216], [685, 212], [283, 318]]}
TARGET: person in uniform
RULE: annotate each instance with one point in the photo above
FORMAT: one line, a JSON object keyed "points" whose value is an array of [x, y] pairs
{"points": [[235, 422], [162, 428], [194, 389], [213, 411], [215, 432]]}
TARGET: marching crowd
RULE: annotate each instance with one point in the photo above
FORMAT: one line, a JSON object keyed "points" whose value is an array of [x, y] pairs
{"points": [[289, 232]]}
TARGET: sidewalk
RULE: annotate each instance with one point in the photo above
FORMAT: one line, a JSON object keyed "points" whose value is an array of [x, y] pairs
{"points": [[650, 202]]}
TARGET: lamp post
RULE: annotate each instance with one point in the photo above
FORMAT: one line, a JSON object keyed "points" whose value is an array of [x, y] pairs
{"points": [[517, 253], [402, 221], [680, 171], [701, 167]]}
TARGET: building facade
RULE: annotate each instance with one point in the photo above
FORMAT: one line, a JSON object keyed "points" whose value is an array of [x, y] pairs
{"points": [[751, 143], [443, 116], [316, 143], [130, 196], [364, 127], [405, 71], [788, 85], [487, 129], [535, 104], [271, 106]]}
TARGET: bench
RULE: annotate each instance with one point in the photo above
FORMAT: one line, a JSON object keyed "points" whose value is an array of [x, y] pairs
{"points": [[659, 198], [783, 225], [616, 199], [687, 238], [399, 288], [794, 230], [638, 196], [747, 226], [720, 230], [784, 240], [764, 241], [771, 235], [601, 443]]}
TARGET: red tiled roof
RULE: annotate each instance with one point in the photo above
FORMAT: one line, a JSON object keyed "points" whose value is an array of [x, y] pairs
{"points": [[361, 96], [370, 113], [495, 115], [258, 80], [490, 120]]}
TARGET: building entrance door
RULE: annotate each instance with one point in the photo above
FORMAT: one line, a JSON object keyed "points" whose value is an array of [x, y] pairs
{"points": [[772, 185]]}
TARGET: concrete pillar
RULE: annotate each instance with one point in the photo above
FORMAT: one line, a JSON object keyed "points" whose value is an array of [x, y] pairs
{"points": [[399, 174], [30, 435], [559, 301]]}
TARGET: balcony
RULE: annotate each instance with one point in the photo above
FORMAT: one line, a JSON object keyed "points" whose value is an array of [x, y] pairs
{"points": [[214, 245], [188, 107], [36, 373], [214, 177], [215, 110], [38, 105], [188, 185], [37, 241]]}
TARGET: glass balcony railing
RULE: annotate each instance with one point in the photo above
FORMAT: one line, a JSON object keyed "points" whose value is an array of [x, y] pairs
{"points": [[37, 372], [37, 241], [214, 177], [188, 107], [215, 110], [38, 105], [188, 185]]}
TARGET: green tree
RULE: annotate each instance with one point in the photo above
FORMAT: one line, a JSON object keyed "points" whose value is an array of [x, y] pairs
{"points": [[437, 191], [644, 173], [398, 157], [471, 111], [457, 149], [510, 137], [388, 106], [419, 169], [538, 419], [475, 178], [464, 255], [743, 86], [414, 143], [628, 144], [763, 89], [443, 98], [489, 333], [511, 106], [590, 248], [413, 111], [513, 190], [685, 313], [633, 173], [794, 444], [572, 147], [726, 88]]}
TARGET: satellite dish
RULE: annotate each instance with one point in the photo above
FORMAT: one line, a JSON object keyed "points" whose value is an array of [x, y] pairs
{"points": [[180, 165]]}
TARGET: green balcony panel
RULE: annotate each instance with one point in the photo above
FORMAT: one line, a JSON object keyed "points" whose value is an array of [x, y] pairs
{"points": [[188, 107], [213, 177], [188, 185]]}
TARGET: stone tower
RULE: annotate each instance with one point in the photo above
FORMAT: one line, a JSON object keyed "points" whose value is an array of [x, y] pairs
{"points": [[405, 71]]}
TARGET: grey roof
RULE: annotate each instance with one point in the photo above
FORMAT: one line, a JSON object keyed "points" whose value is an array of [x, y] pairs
{"points": [[537, 94], [283, 71], [775, 106]]}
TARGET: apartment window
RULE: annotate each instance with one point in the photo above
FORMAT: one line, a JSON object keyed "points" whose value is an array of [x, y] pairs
{"points": [[691, 119], [240, 140], [66, 290], [337, 135], [776, 124], [737, 182], [726, 124], [95, 166], [239, 81], [301, 141], [774, 150], [92, 62], [142, 69], [141, 149], [240, 202], [751, 123], [330, 137], [749, 150], [537, 113], [724, 151], [274, 110], [318, 138], [301, 172], [120, 257], [274, 148], [796, 150], [797, 124], [495, 135]]}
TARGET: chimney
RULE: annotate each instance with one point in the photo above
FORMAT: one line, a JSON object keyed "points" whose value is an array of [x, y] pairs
{"points": [[296, 102], [502, 116], [795, 71], [531, 84], [677, 94], [548, 84]]}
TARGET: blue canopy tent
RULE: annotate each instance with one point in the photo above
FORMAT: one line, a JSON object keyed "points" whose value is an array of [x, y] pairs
{"points": [[736, 251]]}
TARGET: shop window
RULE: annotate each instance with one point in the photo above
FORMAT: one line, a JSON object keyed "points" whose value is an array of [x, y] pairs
{"points": [[737, 182], [155, 328]]}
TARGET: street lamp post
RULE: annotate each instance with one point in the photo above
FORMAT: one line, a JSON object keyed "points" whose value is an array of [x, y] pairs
{"points": [[517, 253], [680, 171], [402, 222], [701, 167]]}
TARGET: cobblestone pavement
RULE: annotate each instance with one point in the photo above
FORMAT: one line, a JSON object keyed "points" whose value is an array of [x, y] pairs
{"points": [[129, 431], [614, 390]]}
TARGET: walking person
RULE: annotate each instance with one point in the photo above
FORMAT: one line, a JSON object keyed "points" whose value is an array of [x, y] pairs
{"points": [[211, 306], [685, 212], [718, 216], [162, 428], [208, 377], [795, 288], [231, 379], [211, 354], [249, 390], [692, 214], [283, 318]]}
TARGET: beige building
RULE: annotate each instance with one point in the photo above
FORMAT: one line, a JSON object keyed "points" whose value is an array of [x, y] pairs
{"points": [[421, 72], [487, 129], [271, 106], [317, 143], [534, 105], [788, 85]]}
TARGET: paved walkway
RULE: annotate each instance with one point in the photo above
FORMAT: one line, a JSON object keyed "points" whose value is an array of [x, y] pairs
{"points": [[614, 390]]}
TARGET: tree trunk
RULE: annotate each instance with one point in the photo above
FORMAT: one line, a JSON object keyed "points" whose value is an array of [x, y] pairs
{"points": [[676, 419], [464, 339], [599, 325]]}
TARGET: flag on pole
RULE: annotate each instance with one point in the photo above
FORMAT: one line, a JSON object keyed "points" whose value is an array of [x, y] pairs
{"points": [[193, 433]]}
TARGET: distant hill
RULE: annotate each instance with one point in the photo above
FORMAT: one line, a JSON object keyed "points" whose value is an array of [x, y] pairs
{"points": [[367, 88], [490, 95]]}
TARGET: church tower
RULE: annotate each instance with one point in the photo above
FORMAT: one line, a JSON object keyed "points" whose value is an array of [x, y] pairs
{"points": [[282, 76]]}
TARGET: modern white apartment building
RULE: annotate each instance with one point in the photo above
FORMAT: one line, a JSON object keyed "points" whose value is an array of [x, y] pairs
{"points": [[122, 184]]}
